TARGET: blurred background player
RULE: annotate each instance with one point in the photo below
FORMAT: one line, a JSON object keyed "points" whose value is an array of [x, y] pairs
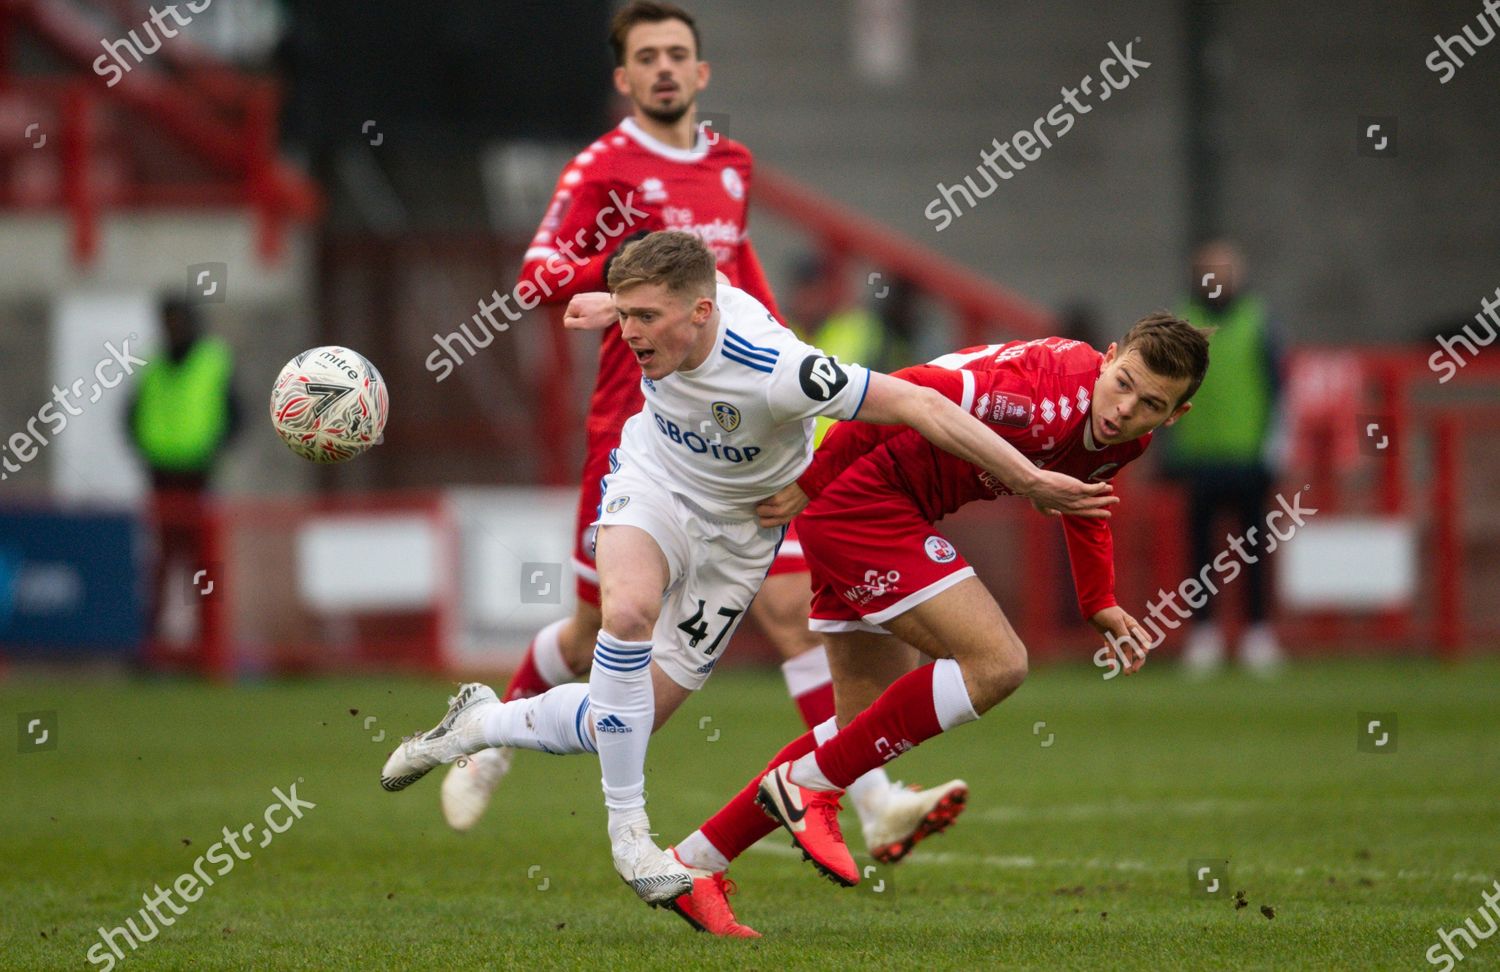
{"points": [[659, 170], [1228, 455], [181, 420]]}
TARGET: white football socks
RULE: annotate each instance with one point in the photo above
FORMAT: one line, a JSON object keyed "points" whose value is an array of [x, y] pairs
{"points": [[950, 696], [623, 708], [805, 770], [806, 672], [557, 722], [697, 851]]}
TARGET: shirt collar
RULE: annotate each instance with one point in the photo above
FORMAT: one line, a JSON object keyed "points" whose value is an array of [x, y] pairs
{"points": [[656, 146]]}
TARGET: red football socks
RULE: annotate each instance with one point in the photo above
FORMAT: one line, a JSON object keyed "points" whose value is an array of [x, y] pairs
{"points": [[527, 681], [816, 705], [742, 822], [902, 717]]}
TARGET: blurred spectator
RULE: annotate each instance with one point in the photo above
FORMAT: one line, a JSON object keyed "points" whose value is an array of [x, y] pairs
{"points": [[1227, 451], [824, 309], [181, 418], [900, 318], [827, 312]]}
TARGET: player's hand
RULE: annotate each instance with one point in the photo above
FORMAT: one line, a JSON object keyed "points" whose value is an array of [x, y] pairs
{"points": [[590, 312], [779, 509], [1128, 643], [1074, 497]]}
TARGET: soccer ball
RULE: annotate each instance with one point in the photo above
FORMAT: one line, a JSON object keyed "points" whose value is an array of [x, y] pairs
{"points": [[329, 404]]}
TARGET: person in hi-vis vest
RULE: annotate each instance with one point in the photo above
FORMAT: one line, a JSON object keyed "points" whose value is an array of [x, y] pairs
{"points": [[826, 311], [181, 418], [1229, 455]]}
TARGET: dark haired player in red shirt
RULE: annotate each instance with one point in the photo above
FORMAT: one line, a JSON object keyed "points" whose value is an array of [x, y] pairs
{"points": [[658, 170], [880, 568]]}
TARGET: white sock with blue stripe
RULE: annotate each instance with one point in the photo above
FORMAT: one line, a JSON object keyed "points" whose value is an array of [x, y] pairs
{"points": [[557, 721], [623, 708]]}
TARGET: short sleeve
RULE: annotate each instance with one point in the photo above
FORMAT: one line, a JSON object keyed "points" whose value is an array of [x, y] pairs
{"points": [[846, 442], [1007, 400], [807, 383], [954, 384]]}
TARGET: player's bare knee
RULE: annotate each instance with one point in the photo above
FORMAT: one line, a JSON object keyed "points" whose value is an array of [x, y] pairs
{"points": [[1013, 670], [630, 619], [992, 679]]}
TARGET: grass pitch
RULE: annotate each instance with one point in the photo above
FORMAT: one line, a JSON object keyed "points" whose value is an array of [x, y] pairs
{"points": [[1092, 803]]}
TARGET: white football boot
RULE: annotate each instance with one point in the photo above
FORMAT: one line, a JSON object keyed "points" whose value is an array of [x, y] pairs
{"points": [[471, 782], [459, 734], [1204, 653], [1259, 651], [656, 876], [909, 815]]}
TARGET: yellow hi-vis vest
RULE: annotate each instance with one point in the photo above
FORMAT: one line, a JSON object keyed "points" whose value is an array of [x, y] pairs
{"points": [[183, 412], [1231, 414], [855, 336]]}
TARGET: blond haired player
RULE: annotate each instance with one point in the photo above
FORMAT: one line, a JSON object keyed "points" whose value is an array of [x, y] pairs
{"points": [[658, 170], [679, 548]]}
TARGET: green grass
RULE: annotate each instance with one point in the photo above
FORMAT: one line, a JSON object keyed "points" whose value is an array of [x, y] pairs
{"points": [[1073, 855]]}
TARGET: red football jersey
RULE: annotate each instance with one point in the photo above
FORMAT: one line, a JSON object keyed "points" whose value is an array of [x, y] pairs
{"points": [[1037, 395], [624, 182]]}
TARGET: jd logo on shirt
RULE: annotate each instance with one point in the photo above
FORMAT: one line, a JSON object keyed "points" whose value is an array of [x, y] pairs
{"points": [[821, 377]]}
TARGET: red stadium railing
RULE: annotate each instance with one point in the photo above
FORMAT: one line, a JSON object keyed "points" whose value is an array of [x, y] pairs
{"points": [[225, 122], [983, 308], [253, 618], [1428, 474]]}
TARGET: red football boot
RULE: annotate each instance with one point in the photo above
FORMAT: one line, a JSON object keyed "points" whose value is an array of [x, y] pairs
{"points": [[812, 818], [706, 907]]}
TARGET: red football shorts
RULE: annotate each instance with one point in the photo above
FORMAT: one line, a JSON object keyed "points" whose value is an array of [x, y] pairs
{"points": [[873, 556]]}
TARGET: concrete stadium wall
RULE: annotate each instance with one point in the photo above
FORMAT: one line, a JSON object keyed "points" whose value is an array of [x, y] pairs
{"points": [[1346, 248]]}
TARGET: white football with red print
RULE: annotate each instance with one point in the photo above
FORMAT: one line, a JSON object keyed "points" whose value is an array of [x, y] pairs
{"points": [[329, 404]]}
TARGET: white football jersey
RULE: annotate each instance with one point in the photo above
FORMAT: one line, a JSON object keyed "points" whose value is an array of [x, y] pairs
{"points": [[737, 428]]}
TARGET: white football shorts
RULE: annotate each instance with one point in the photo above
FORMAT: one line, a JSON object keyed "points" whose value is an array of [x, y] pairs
{"points": [[715, 566]]}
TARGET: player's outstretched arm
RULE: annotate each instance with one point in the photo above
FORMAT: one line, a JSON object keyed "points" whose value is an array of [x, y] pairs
{"points": [[891, 401]]}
